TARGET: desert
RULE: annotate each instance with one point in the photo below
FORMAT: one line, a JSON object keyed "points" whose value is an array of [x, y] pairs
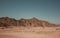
{"points": [[27, 28]]}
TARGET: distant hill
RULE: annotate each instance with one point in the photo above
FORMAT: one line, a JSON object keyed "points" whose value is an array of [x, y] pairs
{"points": [[33, 22]]}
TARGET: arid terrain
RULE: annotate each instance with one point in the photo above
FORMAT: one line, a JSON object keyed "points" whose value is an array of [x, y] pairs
{"points": [[33, 32], [28, 28]]}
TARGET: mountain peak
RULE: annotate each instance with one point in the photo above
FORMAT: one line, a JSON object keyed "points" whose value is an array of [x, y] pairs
{"points": [[34, 18]]}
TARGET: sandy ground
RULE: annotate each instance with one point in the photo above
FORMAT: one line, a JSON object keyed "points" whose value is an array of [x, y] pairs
{"points": [[30, 33]]}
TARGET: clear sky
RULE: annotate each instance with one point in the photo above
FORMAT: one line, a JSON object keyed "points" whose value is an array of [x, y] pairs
{"points": [[48, 10]]}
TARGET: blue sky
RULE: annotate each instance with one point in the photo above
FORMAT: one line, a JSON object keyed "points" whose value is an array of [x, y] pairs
{"points": [[48, 10]]}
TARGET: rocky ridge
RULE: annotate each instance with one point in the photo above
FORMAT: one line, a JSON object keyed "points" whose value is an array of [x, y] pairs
{"points": [[33, 22]]}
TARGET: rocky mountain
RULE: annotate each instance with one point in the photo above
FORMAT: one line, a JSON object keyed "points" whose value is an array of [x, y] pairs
{"points": [[33, 22], [6, 21]]}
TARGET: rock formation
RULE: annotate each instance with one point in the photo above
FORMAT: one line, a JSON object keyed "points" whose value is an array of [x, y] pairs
{"points": [[34, 22]]}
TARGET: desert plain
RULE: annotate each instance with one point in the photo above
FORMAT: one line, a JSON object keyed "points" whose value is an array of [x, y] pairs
{"points": [[30, 32]]}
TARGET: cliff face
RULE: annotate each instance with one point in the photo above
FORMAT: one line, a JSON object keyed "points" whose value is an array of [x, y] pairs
{"points": [[34, 22]]}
